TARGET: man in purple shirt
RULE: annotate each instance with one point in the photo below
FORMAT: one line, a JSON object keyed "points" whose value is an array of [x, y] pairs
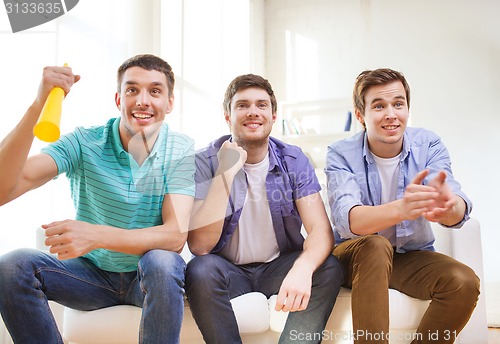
{"points": [[253, 194], [392, 181]]}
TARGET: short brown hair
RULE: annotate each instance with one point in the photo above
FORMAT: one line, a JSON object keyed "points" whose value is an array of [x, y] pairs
{"points": [[243, 82], [148, 62], [370, 78]]}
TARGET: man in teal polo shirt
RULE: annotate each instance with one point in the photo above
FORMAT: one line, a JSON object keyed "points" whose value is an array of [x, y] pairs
{"points": [[132, 183]]}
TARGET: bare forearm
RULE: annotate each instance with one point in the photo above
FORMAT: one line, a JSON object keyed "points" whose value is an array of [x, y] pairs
{"points": [[202, 240], [366, 220], [14, 150], [140, 241], [208, 218], [317, 247]]}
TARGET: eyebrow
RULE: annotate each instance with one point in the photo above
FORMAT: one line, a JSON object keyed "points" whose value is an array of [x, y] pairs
{"points": [[395, 98], [248, 100], [154, 83]]}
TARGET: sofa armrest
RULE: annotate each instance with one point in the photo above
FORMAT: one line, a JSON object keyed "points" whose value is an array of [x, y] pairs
{"points": [[40, 239], [465, 245]]}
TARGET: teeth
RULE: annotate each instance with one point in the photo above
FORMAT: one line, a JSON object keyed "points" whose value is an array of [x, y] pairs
{"points": [[253, 125], [391, 127], [142, 115]]}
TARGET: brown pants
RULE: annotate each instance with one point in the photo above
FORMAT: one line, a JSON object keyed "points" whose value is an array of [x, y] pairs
{"points": [[372, 267]]}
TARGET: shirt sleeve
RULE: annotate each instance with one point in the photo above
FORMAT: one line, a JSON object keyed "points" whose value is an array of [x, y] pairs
{"points": [[343, 190], [66, 153], [438, 159], [204, 173], [304, 177], [181, 176]]}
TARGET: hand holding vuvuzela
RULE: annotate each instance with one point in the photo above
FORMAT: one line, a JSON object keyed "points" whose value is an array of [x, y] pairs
{"points": [[48, 125]]}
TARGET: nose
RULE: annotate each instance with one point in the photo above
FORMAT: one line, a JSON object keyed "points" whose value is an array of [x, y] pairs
{"points": [[253, 110], [390, 114], [143, 99]]}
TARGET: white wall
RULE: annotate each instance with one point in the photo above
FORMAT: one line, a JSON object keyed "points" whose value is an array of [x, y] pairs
{"points": [[449, 50], [209, 43]]}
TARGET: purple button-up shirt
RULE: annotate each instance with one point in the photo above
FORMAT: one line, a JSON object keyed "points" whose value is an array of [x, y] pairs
{"points": [[290, 177]]}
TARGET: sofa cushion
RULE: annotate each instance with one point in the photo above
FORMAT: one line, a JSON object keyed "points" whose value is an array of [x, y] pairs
{"points": [[251, 310], [405, 312]]}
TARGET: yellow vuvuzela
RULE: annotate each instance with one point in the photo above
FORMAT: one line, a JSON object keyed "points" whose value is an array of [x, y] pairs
{"points": [[48, 127]]}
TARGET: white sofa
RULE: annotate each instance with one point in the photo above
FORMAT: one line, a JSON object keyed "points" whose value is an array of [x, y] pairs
{"points": [[260, 324]]}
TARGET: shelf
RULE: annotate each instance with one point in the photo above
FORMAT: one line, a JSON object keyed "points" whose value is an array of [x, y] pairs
{"points": [[317, 137], [314, 125], [315, 146], [324, 116]]}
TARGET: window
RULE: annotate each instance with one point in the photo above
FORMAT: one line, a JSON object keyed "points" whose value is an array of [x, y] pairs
{"points": [[208, 43]]}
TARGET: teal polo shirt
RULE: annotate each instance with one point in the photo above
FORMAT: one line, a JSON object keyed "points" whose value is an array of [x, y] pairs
{"points": [[109, 188]]}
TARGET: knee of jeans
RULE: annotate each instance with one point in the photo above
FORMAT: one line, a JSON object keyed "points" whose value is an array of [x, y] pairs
{"points": [[198, 267], [12, 262], [158, 262], [15, 263]]}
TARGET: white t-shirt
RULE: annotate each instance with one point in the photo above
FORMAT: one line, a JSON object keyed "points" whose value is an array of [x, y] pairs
{"points": [[254, 239], [388, 171]]}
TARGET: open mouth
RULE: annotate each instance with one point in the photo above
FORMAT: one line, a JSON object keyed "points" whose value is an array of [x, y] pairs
{"points": [[142, 115], [252, 125]]}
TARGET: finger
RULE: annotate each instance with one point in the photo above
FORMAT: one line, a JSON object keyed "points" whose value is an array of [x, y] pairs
{"points": [[288, 303], [280, 301], [55, 240], [60, 222], [421, 198], [437, 213], [304, 303], [52, 224], [419, 188], [295, 306], [419, 178], [64, 78], [440, 178], [57, 249], [54, 230], [65, 255]]}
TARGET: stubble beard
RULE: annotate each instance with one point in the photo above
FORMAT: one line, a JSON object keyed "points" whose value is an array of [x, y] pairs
{"points": [[252, 144]]}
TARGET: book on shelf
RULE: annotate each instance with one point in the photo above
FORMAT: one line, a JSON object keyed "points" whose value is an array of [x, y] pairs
{"points": [[292, 127]]}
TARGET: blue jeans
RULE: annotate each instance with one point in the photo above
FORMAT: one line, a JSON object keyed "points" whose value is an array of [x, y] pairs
{"points": [[212, 281], [29, 278]]}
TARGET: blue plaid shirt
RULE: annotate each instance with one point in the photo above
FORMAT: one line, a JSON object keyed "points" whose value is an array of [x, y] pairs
{"points": [[353, 179]]}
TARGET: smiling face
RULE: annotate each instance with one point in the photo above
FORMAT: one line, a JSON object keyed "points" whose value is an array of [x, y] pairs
{"points": [[385, 119], [251, 117], [143, 101]]}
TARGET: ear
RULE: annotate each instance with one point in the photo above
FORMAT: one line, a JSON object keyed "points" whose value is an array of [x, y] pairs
{"points": [[170, 104], [275, 116], [227, 117], [359, 117], [118, 100]]}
